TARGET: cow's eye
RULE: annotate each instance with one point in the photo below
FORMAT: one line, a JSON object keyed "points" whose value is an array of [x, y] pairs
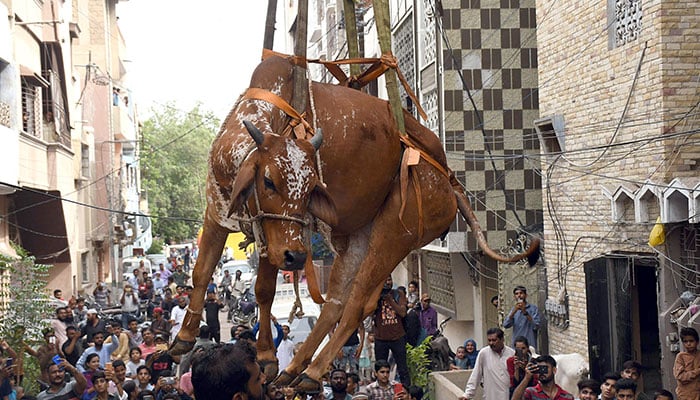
{"points": [[269, 184]]}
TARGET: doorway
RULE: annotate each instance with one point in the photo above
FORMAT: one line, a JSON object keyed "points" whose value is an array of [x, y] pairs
{"points": [[621, 297]]}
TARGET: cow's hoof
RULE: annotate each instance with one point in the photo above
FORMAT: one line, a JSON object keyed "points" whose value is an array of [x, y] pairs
{"points": [[270, 369], [180, 347], [283, 379], [303, 383]]}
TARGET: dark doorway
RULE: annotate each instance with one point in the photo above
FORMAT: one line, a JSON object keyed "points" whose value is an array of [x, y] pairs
{"points": [[621, 297]]}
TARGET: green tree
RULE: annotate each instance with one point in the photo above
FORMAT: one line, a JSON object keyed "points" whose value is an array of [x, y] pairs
{"points": [[174, 168], [26, 309]]}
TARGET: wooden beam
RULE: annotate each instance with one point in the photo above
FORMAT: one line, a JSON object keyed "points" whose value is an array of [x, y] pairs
{"points": [[351, 34], [383, 21], [299, 98], [269, 38]]}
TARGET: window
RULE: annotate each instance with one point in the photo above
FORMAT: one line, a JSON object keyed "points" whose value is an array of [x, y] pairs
{"points": [[84, 266], [624, 20], [551, 133], [84, 161], [31, 109]]}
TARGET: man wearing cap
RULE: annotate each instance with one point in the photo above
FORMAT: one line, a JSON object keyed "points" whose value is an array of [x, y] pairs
{"points": [[160, 325], [92, 325], [524, 317], [427, 315]]}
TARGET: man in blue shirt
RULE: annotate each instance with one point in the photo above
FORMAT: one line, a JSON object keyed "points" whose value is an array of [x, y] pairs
{"points": [[524, 317]]}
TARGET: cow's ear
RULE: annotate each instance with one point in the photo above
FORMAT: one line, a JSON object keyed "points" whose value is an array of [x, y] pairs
{"points": [[242, 186], [322, 206]]}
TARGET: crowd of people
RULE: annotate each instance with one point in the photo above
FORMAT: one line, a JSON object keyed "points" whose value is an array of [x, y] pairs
{"points": [[89, 355]]}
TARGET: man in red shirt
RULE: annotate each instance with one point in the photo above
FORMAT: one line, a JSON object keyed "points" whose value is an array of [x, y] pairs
{"points": [[546, 389]]}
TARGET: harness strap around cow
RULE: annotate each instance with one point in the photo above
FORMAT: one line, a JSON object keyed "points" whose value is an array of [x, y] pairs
{"points": [[378, 68], [411, 156]]}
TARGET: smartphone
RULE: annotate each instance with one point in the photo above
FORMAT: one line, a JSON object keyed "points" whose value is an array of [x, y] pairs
{"points": [[542, 369], [56, 359], [520, 354], [52, 339], [398, 388], [8, 362]]}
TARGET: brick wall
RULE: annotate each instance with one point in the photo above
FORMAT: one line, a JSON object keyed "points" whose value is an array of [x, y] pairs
{"points": [[582, 78]]}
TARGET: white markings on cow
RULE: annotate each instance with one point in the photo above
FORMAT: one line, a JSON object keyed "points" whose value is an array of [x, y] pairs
{"points": [[295, 166]]}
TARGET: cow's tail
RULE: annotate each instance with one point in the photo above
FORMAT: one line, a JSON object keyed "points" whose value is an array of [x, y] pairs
{"points": [[466, 210]]}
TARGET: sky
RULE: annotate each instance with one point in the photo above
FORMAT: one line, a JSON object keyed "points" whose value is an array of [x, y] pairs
{"points": [[190, 51]]}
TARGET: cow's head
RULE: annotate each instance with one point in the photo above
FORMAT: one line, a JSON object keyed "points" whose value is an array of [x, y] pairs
{"points": [[281, 173]]}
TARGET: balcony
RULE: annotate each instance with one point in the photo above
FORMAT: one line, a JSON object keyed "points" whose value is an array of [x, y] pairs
{"points": [[124, 124]]}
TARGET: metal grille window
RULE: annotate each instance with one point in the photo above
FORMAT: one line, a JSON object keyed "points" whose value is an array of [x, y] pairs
{"points": [[690, 258], [403, 48], [428, 32], [31, 109], [626, 24], [431, 108]]}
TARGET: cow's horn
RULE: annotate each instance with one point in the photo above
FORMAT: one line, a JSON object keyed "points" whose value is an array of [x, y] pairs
{"points": [[317, 139], [254, 132]]}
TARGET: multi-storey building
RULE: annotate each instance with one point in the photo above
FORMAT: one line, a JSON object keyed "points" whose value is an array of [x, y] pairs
{"points": [[473, 66], [69, 146], [618, 90]]}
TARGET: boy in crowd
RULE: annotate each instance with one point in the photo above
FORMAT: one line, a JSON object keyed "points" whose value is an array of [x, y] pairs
{"points": [[588, 389], [625, 389], [633, 370], [607, 388], [686, 368]]}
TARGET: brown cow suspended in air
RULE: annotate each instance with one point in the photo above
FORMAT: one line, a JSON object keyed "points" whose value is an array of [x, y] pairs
{"points": [[381, 201]]}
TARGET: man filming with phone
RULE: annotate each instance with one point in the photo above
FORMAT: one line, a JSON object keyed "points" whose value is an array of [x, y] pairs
{"points": [[524, 317], [545, 367], [58, 387]]}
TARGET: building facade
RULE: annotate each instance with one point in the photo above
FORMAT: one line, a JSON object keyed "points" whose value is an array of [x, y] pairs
{"points": [[618, 91], [65, 145]]}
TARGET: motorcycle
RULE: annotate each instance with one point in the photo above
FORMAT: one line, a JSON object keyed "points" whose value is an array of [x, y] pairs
{"points": [[439, 352], [244, 310]]}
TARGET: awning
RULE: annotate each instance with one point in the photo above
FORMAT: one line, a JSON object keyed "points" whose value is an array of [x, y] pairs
{"points": [[32, 76], [42, 225]]}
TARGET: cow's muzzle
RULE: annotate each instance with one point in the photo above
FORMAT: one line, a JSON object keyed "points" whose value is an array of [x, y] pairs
{"points": [[294, 260]]}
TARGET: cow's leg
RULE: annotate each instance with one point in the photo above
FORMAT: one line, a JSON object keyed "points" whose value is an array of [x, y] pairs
{"points": [[265, 287], [211, 246], [351, 251], [389, 243]]}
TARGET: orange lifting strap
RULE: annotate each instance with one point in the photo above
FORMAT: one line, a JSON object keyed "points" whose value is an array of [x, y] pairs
{"points": [[298, 124], [379, 66]]}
